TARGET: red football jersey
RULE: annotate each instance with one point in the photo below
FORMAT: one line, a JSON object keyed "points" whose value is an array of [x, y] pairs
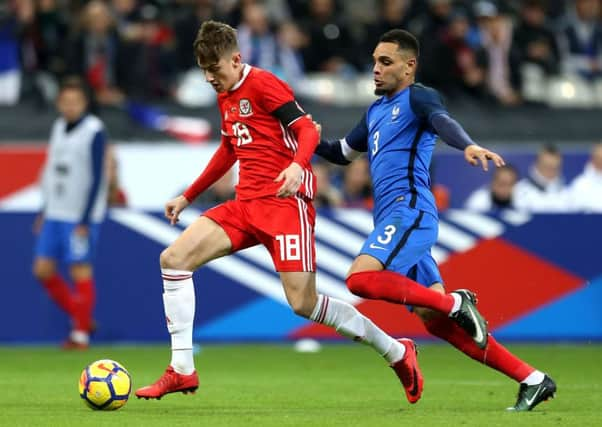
{"points": [[263, 145]]}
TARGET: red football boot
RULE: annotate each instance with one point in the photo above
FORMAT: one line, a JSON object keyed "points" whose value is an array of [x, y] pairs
{"points": [[170, 382], [408, 371], [69, 344]]}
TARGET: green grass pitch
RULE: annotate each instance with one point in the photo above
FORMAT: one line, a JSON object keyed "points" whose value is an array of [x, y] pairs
{"points": [[271, 385]]}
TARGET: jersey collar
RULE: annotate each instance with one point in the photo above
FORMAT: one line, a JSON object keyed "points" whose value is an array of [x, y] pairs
{"points": [[246, 69], [397, 95]]}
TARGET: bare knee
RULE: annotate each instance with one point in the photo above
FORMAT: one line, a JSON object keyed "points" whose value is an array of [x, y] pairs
{"points": [[43, 270], [174, 259]]}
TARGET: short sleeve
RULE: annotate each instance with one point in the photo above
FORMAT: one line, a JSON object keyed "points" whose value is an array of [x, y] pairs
{"points": [[426, 102]]}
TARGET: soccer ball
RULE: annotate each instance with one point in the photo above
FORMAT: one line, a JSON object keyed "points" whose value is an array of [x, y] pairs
{"points": [[105, 385]]}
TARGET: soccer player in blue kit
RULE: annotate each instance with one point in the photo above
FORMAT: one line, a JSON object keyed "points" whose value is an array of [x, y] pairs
{"points": [[398, 133], [74, 189]]}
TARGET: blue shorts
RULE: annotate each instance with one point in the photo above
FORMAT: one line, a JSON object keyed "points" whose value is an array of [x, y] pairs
{"points": [[402, 242], [58, 241]]}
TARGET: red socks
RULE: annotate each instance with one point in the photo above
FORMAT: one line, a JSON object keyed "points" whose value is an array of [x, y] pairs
{"points": [[78, 305], [84, 304], [495, 355], [393, 287], [60, 293]]}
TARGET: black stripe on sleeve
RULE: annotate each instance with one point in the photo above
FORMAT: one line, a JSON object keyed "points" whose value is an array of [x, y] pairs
{"points": [[288, 113]]}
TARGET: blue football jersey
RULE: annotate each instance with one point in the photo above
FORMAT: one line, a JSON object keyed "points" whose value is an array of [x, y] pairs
{"points": [[399, 139]]}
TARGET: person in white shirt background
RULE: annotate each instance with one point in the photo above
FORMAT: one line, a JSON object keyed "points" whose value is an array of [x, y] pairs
{"points": [[586, 188], [496, 196], [543, 190]]}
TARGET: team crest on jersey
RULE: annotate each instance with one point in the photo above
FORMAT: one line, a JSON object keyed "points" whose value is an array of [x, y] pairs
{"points": [[244, 107]]}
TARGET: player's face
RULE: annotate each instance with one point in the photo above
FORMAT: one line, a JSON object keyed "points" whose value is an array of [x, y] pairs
{"points": [[503, 184], [225, 73], [72, 104], [393, 69], [549, 165]]}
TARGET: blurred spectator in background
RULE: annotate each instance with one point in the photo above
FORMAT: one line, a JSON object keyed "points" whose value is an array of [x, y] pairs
{"points": [[431, 25], [221, 191], [496, 32], [581, 40], [10, 67], [232, 11], [534, 43], [152, 66], [116, 195], [263, 48], [393, 14], [52, 30], [498, 195], [586, 189], [186, 27], [97, 54], [126, 14], [43, 35], [543, 189], [327, 195], [331, 47], [74, 190], [464, 67], [357, 188]]}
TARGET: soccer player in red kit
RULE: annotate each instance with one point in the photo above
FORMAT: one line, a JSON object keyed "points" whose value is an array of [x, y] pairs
{"points": [[273, 139]]}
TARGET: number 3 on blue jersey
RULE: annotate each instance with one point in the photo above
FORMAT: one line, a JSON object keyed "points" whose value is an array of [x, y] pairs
{"points": [[375, 142], [389, 231]]}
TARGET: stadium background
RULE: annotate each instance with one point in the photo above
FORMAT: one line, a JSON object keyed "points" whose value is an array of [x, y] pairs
{"points": [[538, 276]]}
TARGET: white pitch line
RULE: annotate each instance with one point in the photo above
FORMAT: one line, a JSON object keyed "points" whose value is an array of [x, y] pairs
{"points": [[338, 236], [232, 267], [477, 223], [454, 238], [356, 218], [260, 256]]}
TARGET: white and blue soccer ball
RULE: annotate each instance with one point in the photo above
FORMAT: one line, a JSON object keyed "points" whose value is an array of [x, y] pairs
{"points": [[105, 385]]}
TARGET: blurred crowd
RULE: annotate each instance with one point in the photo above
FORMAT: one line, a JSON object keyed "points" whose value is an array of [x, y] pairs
{"points": [[483, 50], [544, 188]]}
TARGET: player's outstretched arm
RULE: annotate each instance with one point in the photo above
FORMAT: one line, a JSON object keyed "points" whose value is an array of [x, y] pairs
{"points": [[453, 134], [221, 162], [344, 151]]}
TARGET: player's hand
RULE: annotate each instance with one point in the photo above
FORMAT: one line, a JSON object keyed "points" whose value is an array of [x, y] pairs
{"points": [[292, 177], [475, 154], [317, 125], [174, 207], [81, 230], [37, 224]]}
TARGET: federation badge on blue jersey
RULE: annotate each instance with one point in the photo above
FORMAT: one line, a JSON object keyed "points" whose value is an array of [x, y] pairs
{"points": [[244, 107]]}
